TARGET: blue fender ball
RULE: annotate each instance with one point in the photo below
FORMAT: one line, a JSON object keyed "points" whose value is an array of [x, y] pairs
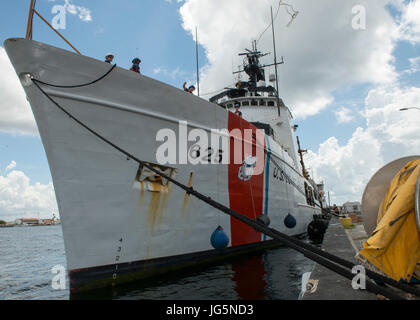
{"points": [[290, 221], [219, 240]]}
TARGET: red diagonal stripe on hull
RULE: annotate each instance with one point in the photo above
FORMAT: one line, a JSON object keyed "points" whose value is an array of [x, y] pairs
{"points": [[244, 196]]}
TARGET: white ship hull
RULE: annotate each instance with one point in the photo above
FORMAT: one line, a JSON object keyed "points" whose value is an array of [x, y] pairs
{"points": [[116, 228]]}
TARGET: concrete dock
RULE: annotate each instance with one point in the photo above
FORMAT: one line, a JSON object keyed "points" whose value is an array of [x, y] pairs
{"points": [[328, 285]]}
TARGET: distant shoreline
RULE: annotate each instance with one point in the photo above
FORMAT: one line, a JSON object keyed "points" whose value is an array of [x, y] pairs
{"points": [[34, 225]]}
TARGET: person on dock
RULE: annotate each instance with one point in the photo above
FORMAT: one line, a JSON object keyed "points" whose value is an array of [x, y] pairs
{"points": [[136, 65], [190, 88], [109, 57], [336, 210]]}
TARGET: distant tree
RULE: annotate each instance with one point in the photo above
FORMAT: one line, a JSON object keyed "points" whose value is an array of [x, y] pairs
{"points": [[2, 222]]}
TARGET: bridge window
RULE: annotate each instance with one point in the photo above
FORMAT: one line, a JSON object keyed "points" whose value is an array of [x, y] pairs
{"points": [[266, 127], [270, 103], [229, 105], [245, 103], [254, 103], [263, 103]]}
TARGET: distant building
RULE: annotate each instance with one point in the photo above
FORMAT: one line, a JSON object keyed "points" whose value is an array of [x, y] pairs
{"points": [[27, 222], [352, 207], [46, 221]]}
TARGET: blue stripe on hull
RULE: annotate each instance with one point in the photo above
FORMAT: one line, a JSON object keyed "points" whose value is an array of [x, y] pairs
{"points": [[267, 179]]}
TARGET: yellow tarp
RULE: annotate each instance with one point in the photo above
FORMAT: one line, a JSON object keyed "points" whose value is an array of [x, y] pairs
{"points": [[394, 246]]}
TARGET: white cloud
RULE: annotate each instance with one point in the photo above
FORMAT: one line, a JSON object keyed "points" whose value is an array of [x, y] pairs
{"points": [[83, 13], [71, 8], [176, 73], [343, 115], [15, 113], [173, 74], [321, 49], [323, 53], [344, 168], [304, 108], [19, 198], [11, 166], [415, 62], [414, 65], [390, 134], [410, 21]]}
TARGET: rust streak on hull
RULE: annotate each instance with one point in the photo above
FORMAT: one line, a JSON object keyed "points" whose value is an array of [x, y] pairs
{"points": [[187, 196]]}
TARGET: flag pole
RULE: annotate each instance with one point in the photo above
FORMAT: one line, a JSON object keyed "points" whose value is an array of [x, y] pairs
{"points": [[275, 63], [196, 57]]}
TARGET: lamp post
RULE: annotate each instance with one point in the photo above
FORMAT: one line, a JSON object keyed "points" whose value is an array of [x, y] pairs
{"points": [[405, 109]]}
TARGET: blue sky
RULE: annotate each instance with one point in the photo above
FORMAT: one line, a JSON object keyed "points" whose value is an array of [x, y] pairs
{"points": [[149, 29], [336, 80]]}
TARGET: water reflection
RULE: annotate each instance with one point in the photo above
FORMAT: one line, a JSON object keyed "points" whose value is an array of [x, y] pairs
{"points": [[270, 274], [273, 274], [249, 278]]}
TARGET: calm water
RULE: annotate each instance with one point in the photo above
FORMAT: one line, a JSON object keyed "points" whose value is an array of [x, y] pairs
{"points": [[28, 254]]}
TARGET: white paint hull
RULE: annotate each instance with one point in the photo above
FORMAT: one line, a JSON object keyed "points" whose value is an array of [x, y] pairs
{"points": [[107, 217]]}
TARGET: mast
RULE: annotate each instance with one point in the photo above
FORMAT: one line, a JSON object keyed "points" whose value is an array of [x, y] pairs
{"points": [[196, 56], [30, 24], [275, 63], [301, 152], [30, 20], [256, 72]]}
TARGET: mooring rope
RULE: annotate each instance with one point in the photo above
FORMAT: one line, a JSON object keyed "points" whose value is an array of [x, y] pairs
{"points": [[288, 178], [315, 254], [79, 85]]}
